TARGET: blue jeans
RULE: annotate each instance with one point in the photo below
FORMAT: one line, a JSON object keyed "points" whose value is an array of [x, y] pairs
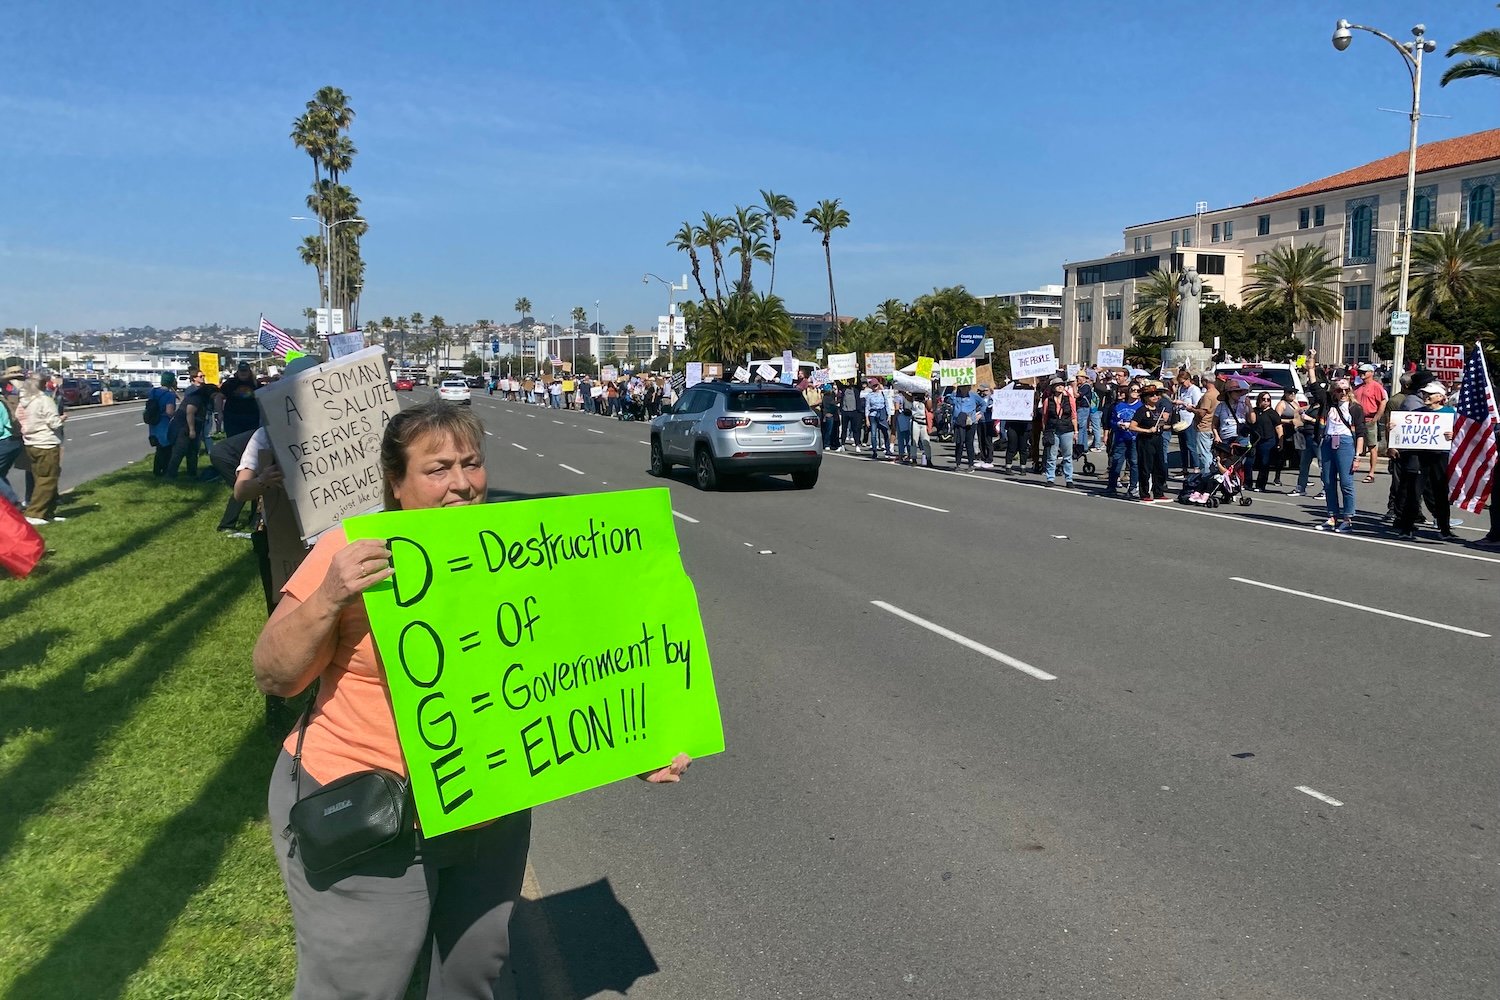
{"points": [[1049, 460], [903, 439], [1202, 445], [1338, 476], [1095, 436], [1124, 455], [880, 435], [1304, 462], [10, 449]]}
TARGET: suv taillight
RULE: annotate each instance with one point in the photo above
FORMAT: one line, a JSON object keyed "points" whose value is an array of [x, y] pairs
{"points": [[812, 421], [730, 423]]}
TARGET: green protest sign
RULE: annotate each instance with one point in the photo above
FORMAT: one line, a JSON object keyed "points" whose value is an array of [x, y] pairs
{"points": [[513, 684]]}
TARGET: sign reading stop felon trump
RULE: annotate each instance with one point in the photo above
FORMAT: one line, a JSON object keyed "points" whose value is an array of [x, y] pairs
{"points": [[510, 686], [1421, 430], [325, 426]]}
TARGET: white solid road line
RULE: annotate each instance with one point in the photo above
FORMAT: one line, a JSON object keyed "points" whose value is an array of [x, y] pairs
{"points": [[689, 520], [521, 446], [592, 430], [909, 503], [557, 422], [1319, 795], [643, 442], [97, 433], [489, 434], [963, 640], [1362, 607], [570, 468]]}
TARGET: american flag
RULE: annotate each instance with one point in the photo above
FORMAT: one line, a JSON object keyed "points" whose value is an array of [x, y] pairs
{"points": [[556, 358], [1471, 464], [275, 340]]}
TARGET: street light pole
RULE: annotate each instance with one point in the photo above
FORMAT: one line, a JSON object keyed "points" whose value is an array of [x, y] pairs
{"points": [[1411, 55], [671, 316], [328, 228]]}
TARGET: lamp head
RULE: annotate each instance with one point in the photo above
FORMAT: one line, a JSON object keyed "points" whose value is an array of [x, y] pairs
{"points": [[1342, 36]]}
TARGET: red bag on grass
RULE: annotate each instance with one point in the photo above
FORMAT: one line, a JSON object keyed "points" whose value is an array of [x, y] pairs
{"points": [[21, 548]]}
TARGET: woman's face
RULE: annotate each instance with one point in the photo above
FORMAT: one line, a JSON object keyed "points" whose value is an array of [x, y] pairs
{"points": [[440, 472], [1264, 402]]}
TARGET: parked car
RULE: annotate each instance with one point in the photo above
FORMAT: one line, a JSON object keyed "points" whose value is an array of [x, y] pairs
{"points": [[139, 388], [454, 390], [729, 429], [1284, 376], [477, 381], [405, 385], [77, 391]]}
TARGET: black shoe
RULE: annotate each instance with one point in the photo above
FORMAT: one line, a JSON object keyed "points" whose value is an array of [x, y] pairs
{"points": [[1047, 483], [1450, 536]]}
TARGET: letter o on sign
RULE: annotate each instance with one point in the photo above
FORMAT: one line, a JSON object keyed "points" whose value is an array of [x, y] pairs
{"points": [[421, 653]]}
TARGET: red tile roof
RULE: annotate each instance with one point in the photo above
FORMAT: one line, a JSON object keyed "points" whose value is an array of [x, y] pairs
{"points": [[1431, 156]]}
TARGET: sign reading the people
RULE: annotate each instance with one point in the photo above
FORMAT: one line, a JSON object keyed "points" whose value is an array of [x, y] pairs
{"points": [[325, 426], [1031, 362], [510, 686], [1421, 430]]}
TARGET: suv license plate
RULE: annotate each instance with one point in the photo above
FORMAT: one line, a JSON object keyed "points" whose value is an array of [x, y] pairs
{"points": [[775, 428]]}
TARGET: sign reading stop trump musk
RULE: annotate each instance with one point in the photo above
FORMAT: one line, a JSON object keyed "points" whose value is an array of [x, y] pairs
{"points": [[510, 686], [325, 426]]}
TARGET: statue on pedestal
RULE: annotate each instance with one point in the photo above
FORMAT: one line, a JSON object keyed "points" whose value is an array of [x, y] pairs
{"points": [[1189, 301]]}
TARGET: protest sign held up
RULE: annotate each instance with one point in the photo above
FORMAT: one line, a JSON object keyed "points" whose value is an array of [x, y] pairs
{"points": [[1446, 361], [924, 368], [957, 372], [984, 377], [694, 373], [1111, 357], [842, 367], [1013, 404], [208, 364], [508, 689], [325, 427], [1031, 362], [880, 364], [1421, 430]]}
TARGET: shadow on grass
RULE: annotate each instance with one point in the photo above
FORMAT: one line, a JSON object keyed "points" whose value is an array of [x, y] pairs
{"points": [[577, 944], [99, 953], [79, 719], [28, 650]]}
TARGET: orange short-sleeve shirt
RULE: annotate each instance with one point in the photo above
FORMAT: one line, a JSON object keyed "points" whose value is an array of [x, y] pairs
{"points": [[352, 727]]}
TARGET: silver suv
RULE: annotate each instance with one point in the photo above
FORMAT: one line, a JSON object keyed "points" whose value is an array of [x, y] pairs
{"points": [[730, 429]]}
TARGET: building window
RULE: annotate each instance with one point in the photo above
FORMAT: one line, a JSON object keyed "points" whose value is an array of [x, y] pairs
{"points": [[1263, 226], [1366, 296], [1421, 212], [1482, 206], [1148, 243], [1174, 237], [1210, 263], [1318, 216], [1228, 231], [1086, 311], [1213, 233], [1349, 355], [1351, 298], [1359, 218], [1304, 218], [1260, 258], [1114, 308], [1137, 244], [1187, 237]]}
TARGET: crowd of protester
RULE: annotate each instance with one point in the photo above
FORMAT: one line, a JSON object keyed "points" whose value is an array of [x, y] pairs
{"points": [[631, 396]]}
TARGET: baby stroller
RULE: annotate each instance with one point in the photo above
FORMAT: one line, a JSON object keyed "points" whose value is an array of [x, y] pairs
{"points": [[1212, 488], [633, 407]]}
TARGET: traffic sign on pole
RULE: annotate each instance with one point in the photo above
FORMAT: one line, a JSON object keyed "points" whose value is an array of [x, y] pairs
{"points": [[1400, 323]]}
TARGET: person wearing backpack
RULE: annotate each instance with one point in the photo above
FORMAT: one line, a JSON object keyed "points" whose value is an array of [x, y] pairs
{"points": [[161, 406], [10, 436]]}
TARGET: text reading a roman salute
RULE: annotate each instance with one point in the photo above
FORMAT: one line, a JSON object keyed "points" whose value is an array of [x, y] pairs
{"points": [[511, 685]]}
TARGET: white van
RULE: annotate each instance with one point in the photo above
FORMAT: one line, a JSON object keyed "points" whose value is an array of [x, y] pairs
{"points": [[1285, 376]]}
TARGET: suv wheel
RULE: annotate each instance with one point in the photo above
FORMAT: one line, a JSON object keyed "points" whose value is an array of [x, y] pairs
{"points": [[805, 479], [703, 469], [659, 464]]}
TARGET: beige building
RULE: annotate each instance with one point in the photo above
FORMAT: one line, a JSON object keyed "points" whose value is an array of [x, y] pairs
{"points": [[1354, 215]]}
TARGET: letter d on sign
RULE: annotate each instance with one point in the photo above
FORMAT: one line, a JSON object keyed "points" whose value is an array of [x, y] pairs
{"points": [[405, 554]]}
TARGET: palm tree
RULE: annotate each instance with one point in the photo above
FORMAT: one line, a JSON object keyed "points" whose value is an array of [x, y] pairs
{"points": [[401, 329], [1455, 267], [439, 336], [580, 317], [824, 219], [749, 228], [778, 207], [1302, 279], [311, 133], [715, 232], [1484, 62], [1155, 311], [686, 240], [523, 307]]}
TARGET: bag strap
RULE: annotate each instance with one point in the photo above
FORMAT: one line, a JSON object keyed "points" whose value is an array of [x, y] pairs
{"points": [[297, 770]]}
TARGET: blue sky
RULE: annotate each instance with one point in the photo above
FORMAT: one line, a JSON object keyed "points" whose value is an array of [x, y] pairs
{"points": [[551, 150]]}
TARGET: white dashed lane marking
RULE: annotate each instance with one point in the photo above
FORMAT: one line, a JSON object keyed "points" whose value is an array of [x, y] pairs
{"points": [[1319, 795], [1361, 607], [560, 465], [967, 643]]}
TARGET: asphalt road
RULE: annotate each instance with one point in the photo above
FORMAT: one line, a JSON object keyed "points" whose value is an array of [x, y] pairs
{"points": [[98, 439], [908, 809]]}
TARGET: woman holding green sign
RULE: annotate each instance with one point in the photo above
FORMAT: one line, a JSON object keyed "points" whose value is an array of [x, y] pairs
{"points": [[364, 921]]}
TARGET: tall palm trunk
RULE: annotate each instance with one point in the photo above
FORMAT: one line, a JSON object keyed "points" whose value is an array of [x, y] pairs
{"points": [[775, 245], [697, 273], [833, 305]]}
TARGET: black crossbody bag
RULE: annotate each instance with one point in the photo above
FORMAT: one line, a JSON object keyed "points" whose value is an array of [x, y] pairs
{"points": [[347, 820]]}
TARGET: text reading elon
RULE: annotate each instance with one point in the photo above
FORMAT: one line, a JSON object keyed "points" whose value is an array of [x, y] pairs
{"points": [[558, 694]]}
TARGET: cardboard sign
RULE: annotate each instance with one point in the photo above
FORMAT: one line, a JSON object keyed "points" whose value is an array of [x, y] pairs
{"points": [[1031, 362], [766, 372], [712, 370], [342, 345], [957, 372], [924, 368], [325, 426], [742, 374], [1111, 357], [1421, 430], [609, 373], [984, 376], [1072, 372], [694, 373], [508, 690], [1013, 404], [208, 364], [843, 367], [1446, 361], [880, 364]]}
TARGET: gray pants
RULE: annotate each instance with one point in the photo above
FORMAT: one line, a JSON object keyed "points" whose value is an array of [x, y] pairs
{"points": [[360, 935]]}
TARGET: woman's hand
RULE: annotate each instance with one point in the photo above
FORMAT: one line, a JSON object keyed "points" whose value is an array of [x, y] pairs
{"points": [[671, 774], [271, 476], [354, 569]]}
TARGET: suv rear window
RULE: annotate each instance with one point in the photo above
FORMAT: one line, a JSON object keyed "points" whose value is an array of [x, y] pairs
{"points": [[1281, 376], [775, 401]]}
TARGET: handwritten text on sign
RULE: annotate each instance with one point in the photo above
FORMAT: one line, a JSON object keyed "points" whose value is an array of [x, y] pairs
{"points": [[880, 363], [511, 687], [1421, 430], [1446, 361], [1013, 404], [325, 426], [957, 372], [1030, 362]]}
